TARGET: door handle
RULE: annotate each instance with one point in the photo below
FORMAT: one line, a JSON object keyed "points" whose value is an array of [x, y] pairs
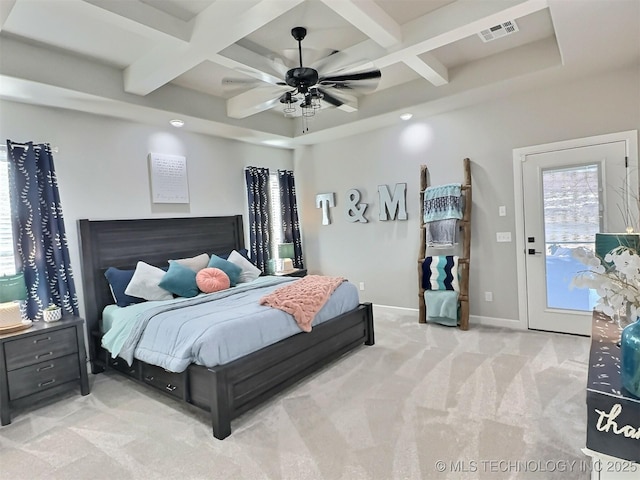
{"points": [[532, 251]]}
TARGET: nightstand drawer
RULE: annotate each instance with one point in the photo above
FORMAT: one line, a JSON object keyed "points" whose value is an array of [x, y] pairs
{"points": [[35, 378], [39, 348]]}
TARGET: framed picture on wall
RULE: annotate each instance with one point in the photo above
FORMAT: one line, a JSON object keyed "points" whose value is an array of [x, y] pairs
{"points": [[169, 183]]}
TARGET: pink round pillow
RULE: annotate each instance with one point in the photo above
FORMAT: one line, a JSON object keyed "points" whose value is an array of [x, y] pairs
{"points": [[211, 280]]}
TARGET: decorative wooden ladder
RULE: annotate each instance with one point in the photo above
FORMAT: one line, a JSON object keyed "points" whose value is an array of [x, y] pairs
{"points": [[463, 262]]}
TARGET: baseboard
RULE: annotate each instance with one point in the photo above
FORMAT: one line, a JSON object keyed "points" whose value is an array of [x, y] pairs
{"points": [[391, 309], [473, 319], [497, 322]]}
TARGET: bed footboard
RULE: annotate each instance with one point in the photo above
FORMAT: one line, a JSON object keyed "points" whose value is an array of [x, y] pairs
{"points": [[249, 381]]}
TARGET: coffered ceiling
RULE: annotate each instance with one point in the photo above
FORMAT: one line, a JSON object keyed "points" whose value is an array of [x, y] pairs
{"points": [[219, 64]]}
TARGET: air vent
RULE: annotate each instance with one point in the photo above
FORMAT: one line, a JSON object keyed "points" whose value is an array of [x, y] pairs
{"points": [[501, 30]]}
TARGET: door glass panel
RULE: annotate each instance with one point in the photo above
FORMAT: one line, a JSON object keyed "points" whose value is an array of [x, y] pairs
{"points": [[572, 217]]}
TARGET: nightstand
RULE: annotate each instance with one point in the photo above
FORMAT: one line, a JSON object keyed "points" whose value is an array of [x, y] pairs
{"points": [[296, 272], [43, 361]]}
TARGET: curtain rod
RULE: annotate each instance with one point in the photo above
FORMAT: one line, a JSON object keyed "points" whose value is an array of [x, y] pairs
{"points": [[4, 147]]}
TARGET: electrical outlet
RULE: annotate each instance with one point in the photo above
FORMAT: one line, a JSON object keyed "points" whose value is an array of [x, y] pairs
{"points": [[502, 211], [503, 236], [361, 286], [488, 296]]}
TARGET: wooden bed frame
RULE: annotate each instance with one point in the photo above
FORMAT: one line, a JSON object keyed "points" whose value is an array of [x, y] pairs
{"points": [[228, 390]]}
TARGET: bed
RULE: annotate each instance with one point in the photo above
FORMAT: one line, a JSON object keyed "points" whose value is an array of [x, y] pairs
{"points": [[227, 390]]}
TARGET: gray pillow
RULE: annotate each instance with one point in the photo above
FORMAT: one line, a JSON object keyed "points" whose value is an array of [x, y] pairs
{"points": [[196, 263]]}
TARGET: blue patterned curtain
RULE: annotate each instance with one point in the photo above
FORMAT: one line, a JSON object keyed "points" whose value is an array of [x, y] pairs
{"points": [[290, 223], [38, 228], [259, 220]]}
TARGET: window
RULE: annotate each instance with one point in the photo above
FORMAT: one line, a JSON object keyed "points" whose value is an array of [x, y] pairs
{"points": [[276, 214], [7, 261]]}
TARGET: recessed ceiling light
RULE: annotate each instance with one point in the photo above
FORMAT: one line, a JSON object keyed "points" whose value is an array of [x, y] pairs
{"points": [[177, 122], [406, 116]]}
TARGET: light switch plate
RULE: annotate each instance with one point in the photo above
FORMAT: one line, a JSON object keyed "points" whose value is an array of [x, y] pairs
{"points": [[503, 236]]}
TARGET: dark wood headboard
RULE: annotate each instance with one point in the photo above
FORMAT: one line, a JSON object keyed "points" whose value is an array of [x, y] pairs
{"points": [[122, 243]]}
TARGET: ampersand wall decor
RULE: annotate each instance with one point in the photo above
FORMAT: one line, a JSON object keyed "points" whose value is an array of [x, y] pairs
{"points": [[355, 212]]}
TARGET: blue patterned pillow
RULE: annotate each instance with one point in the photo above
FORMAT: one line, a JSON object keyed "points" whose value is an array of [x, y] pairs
{"points": [[180, 280], [232, 270], [118, 281]]}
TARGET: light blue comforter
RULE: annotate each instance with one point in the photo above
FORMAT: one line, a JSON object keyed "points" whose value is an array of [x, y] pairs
{"points": [[210, 329]]}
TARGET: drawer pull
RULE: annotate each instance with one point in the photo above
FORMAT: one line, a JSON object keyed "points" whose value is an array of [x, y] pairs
{"points": [[37, 340], [44, 355], [47, 367], [170, 388], [149, 378], [115, 363], [48, 382]]}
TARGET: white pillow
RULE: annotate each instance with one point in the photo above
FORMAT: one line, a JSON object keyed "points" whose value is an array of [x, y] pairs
{"points": [[196, 263], [249, 271], [144, 283]]}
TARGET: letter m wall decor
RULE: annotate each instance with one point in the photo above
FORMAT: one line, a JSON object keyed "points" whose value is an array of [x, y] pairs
{"points": [[394, 208]]}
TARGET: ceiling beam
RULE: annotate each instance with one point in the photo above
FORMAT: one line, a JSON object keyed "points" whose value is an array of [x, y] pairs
{"points": [[370, 19], [443, 26], [5, 10], [140, 18], [221, 24], [460, 20], [431, 69]]}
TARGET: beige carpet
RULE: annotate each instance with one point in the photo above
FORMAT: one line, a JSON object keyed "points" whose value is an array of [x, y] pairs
{"points": [[490, 403]]}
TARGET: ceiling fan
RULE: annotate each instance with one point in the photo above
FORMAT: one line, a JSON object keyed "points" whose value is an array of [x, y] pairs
{"points": [[314, 84]]}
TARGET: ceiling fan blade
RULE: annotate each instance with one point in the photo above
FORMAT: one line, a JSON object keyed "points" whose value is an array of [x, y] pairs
{"points": [[338, 61], [349, 77], [357, 82], [343, 101], [254, 101], [239, 84], [232, 84], [327, 97]]}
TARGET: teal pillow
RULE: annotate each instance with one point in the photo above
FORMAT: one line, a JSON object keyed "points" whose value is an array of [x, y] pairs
{"points": [[180, 280], [231, 269]]}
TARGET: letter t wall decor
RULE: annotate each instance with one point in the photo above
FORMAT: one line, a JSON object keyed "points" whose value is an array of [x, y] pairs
{"points": [[324, 201]]}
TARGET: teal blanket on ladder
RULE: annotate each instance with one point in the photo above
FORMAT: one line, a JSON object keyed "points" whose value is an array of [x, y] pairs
{"points": [[442, 202], [442, 307]]}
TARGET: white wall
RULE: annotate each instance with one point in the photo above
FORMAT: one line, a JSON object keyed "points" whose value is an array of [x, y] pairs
{"points": [[102, 167], [384, 254], [102, 171]]}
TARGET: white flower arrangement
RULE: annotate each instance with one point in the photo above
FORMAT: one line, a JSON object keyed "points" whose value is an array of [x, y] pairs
{"points": [[617, 280]]}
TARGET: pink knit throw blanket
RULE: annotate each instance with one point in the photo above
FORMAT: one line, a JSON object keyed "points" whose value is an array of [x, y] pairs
{"points": [[303, 298]]}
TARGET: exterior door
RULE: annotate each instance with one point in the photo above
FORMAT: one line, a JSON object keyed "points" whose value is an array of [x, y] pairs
{"points": [[569, 196]]}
